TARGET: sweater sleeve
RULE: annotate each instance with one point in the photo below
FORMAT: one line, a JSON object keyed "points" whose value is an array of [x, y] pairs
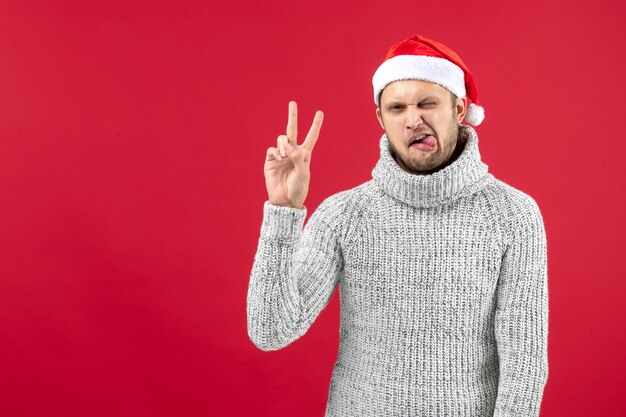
{"points": [[293, 275], [521, 320]]}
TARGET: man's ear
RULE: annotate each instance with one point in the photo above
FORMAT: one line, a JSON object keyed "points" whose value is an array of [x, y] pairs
{"points": [[380, 117], [461, 108]]}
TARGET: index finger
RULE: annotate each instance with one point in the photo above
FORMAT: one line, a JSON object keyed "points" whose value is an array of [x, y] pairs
{"points": [[292, 123], [314, 132]]}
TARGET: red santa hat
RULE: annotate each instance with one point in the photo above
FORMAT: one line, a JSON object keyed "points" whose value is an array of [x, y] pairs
{"points": [[420, 58]]}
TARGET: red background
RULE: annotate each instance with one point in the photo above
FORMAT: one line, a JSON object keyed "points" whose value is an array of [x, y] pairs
{"points": [[132, 141]]}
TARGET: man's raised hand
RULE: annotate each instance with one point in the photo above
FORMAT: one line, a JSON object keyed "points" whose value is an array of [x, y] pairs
{"points": [[287, 166]]}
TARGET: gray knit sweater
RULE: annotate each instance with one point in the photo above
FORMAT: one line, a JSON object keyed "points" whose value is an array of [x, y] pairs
{"points": [[443, 290]]}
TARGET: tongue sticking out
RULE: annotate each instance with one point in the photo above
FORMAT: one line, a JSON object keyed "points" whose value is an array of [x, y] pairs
{"points": [[427, 144]]}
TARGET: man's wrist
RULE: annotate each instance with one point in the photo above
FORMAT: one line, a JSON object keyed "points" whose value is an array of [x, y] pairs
{"points": [[282, 222]]}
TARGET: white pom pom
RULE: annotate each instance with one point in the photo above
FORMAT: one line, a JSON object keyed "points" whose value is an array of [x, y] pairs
{"points": [[475, 115]]}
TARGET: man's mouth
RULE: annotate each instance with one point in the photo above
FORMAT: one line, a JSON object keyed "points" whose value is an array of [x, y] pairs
{"points": [[425, 142]]}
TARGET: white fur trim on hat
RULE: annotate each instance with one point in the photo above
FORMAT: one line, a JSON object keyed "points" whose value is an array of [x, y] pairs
{"points": [[419, 67], [474, 115]]}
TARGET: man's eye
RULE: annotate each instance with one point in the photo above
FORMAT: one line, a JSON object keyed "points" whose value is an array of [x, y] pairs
{"points": [[396, 107], [428, 104]]}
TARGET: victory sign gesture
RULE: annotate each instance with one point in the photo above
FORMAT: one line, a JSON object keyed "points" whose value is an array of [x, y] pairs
{"points": [[287, 166]]}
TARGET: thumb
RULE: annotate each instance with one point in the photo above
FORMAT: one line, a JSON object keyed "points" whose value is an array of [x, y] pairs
{"points": [[295, 154]]}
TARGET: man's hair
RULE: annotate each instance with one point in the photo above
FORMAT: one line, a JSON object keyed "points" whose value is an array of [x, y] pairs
{"points": [[453, 98]]}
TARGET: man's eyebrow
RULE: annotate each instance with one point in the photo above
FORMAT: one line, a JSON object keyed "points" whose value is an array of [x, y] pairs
{"points": [[398, 100]]}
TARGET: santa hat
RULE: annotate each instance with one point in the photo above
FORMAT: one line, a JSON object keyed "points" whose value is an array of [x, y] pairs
{"points": [[420, 58]]}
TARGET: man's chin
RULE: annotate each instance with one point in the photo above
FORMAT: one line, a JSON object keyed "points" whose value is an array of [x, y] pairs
{"points": [[420, 169]]}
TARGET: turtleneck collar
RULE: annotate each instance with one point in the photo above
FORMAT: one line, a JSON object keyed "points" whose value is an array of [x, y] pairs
{"points": [[462, 177]]}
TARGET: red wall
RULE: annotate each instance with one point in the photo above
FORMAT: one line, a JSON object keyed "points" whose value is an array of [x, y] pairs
{"points": [[132, 141]]}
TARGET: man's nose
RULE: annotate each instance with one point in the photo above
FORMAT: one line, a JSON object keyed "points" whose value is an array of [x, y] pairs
{"points": [[414, 116]]}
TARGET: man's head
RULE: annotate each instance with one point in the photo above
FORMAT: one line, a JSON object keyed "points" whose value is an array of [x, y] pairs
{"points": [[423, 87], [421, 120]]}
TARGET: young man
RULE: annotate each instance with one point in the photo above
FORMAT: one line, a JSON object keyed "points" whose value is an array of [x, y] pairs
{"points": [[442, 268]]}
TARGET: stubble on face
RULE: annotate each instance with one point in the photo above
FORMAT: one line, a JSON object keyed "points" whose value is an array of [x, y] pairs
{"points": [[439, 160]]}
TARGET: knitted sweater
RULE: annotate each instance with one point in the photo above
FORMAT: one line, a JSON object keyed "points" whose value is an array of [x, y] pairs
{"points": [[443, 290]]}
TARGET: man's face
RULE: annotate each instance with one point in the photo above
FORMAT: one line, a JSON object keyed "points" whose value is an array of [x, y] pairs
{"points": [[410, 109]]}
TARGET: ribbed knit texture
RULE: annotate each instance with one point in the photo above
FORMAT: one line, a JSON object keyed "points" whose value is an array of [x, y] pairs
{"points": [[443, 289]]}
